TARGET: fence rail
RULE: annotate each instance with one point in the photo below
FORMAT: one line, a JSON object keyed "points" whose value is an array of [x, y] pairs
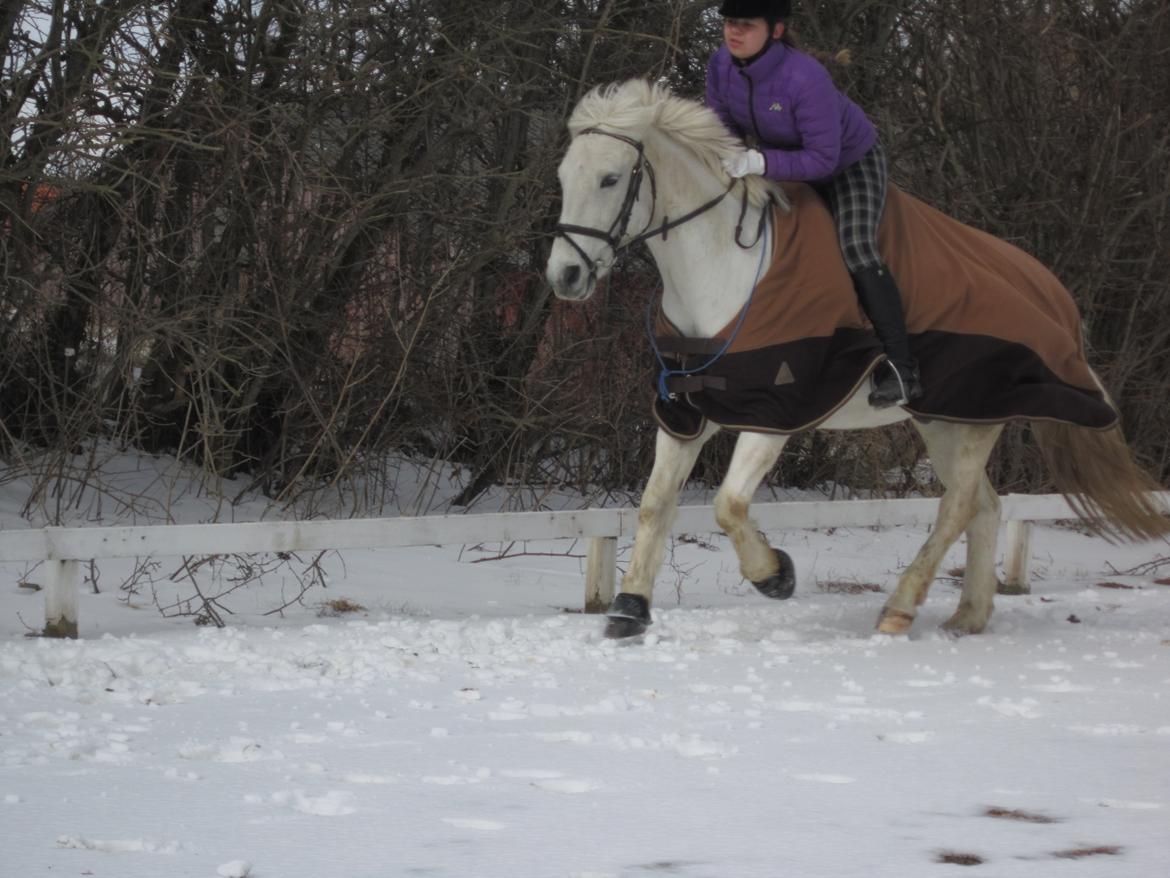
{"points": [[63, 549]]}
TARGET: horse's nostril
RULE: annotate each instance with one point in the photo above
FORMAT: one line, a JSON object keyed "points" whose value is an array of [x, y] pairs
{"points": [[571, 275]]}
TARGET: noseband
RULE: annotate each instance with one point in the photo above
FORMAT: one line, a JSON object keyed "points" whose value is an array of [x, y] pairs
{"points": [[614, 236]]}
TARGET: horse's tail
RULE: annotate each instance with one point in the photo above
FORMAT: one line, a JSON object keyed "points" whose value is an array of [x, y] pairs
{"points": [[1103, 484]]}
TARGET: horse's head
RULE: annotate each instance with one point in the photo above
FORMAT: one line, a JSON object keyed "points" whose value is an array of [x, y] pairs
{"points": [[608, 191], [602, 176]]}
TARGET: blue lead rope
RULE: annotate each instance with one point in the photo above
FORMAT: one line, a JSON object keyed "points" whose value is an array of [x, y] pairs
{"points": [[666, 372]]}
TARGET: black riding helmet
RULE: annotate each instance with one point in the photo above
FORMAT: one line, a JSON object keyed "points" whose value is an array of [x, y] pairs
{"points": [[773, 10]]}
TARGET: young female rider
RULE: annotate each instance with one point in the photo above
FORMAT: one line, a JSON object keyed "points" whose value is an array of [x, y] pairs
{"points": [[798, 126]]}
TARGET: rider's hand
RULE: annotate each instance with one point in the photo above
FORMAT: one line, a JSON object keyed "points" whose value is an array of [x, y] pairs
{"points": [[750, 161]]}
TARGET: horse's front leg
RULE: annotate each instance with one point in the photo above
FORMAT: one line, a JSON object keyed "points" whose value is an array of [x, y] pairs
{"points": [[768, 569], [674, 459]]}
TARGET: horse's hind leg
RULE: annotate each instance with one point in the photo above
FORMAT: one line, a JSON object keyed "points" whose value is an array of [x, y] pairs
{"points": [[979, 580], [673, 461], [770, 571], [959, 455]]}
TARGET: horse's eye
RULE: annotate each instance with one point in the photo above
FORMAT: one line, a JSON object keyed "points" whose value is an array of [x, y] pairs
{"points": [[609, 180]]}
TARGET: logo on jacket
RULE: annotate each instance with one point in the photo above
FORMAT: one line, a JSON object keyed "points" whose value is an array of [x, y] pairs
{"points": [[775, 108], [784, 376]]}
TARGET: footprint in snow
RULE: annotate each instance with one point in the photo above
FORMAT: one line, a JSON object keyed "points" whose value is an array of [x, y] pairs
{"points": [[566, 785], [334, 803], [531, 773], [120, 846], [907, 737], [237, 750], [175, 774], [1119, 803], [1109, 729], [474, 823], [825, 778], [305, 738], [370, 778], [449, 780]]}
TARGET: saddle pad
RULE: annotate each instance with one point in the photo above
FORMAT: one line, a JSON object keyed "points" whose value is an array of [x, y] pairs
{"points": [[996, 335]]}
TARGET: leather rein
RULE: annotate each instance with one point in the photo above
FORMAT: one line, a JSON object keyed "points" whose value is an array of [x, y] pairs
{"points": [[615, 235]]}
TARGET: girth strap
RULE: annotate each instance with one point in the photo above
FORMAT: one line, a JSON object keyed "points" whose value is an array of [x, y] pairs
{"points": [[688, 347], [694, 383]]}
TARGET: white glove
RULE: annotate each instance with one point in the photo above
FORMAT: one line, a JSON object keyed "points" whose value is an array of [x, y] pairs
{"points": [[750, 161]]}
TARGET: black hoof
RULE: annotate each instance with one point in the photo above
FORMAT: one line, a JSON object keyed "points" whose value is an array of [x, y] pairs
{"points": [[781, 584], [628, 616]]}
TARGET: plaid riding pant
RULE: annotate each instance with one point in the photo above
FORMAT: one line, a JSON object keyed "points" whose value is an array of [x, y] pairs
{"points": [[856, 198]]}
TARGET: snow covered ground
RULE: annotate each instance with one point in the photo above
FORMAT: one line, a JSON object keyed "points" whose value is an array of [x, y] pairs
{"points": [[463, 723]]}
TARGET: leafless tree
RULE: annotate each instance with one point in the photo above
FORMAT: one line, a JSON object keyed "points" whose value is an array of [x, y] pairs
{"points": [[291, 238]]}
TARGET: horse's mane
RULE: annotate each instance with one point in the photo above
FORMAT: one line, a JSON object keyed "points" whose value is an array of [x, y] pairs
{"points": [[636, 107]]}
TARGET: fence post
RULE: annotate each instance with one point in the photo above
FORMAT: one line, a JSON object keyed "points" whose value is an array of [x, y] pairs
{"points": [[1017, 558], [600, 573], [62, 583]]}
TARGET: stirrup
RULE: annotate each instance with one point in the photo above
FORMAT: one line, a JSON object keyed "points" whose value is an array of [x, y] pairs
{"points": [[898, 391]]}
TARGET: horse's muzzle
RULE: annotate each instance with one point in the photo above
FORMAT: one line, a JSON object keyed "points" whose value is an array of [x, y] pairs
{"points": [[571, 283], [571, 275]]}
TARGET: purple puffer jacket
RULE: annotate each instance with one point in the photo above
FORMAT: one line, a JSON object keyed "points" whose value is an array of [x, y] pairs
{"points": [[806, 128]]}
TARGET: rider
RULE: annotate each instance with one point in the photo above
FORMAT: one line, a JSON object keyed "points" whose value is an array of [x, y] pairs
{"points": [[798, 126]]}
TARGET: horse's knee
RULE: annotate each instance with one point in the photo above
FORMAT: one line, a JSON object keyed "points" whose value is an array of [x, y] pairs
{"points": [[730, 512], [655, 506], [649, 513]]}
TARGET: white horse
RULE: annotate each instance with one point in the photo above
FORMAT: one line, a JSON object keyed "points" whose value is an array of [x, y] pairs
{"points": [[639, 156]]}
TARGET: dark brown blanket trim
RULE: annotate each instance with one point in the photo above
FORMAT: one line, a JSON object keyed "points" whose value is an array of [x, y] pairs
{"points": [[792, 387], [678, 418], [980, 379]]}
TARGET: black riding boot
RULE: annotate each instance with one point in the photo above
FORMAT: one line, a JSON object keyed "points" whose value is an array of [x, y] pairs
{"points": [[897, 383]]}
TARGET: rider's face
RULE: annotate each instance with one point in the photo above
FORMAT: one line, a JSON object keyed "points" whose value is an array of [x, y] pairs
{"points": [[745, 37]]}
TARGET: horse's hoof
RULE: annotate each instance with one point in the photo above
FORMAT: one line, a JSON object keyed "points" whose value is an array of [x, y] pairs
{"points": [[628, 616], [894, 622], [781, 584], [964, 623]]}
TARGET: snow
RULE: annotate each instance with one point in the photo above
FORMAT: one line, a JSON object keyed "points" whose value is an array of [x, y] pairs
{"points": [[465, 724]]}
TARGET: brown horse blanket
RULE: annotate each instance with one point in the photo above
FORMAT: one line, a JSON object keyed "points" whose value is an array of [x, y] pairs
{"points": [[996, 335]]}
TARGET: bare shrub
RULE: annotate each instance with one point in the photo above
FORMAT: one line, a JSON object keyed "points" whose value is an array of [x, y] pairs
{"points": [[290, 239]]}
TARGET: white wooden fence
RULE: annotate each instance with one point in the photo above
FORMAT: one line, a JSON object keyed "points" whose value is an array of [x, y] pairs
{"points": [[64, 549]]}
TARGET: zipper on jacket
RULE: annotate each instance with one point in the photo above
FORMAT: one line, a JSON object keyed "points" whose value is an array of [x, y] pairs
{"points": [[752, 107]]}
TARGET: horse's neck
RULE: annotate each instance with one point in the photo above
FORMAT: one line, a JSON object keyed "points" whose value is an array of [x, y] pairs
{"points": [[706, 276]]}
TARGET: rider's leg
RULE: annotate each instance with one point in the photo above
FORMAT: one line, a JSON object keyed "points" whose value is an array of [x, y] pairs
{"points": [[899, 382], [856, 198]]}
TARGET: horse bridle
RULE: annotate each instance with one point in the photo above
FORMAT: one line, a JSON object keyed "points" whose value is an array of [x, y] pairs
{"points": [[614, 236]]}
